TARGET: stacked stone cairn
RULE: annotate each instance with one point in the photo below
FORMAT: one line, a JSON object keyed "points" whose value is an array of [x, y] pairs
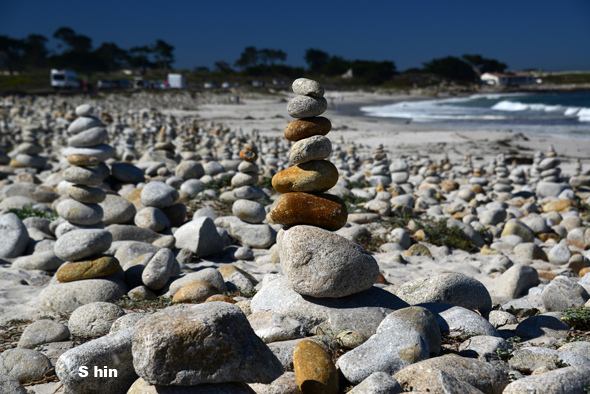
{"points": [[26, 154], [247, 209], [81, 238], [503, 182], [308, 247], [535, 171], [379, 173]]}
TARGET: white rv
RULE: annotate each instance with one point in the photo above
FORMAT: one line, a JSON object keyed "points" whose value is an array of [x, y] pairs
{"points": [[65, 79], [176, 81]]}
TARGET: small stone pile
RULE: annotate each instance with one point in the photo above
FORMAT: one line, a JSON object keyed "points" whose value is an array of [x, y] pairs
{"points": [[88, 136], [399, 171], [379, 173], [535, 171], [503, 182], [248, 209], [26, 154], [550, 167]]}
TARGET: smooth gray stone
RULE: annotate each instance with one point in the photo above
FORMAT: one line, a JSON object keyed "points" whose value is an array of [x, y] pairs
{"points": [[45, 261], [258, 236], [206, 343], [112, 351], [361, 312], [117, 210], [319, 263], [127, 173], [83, 123], [158, 194], [451, 288], [10, 385], [189, 169], [159, 269], [394, 346], [41, 332], [14, 236], [129, 232], [516, 280], [88, 138], [25, 365], [460, 321], [200, 237], [67, 297], [569, 380], [152, 218], [78, 244], [94, 319], [101, 152], [306, 106], [86, 194], [77, 213], [541, 325], [316, 147], [378, 383], [483, 347], [307, 87], [563, 293]]}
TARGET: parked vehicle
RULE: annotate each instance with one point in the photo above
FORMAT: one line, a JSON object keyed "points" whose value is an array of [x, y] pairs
{"points": [[139, 83], [105, 84], [64, 79], [176, 81]]}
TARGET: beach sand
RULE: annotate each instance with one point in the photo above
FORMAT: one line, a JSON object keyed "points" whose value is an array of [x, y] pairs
{"points": [[268, 116]]}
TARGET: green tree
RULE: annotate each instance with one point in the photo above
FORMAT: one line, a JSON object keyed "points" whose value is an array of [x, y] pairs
{"points": [[164, 54], [11, 53], [372, 72], [223, 67], [450, 67], [112, 56], [337, 65], [248, 58], [270, 56], [139, 58], [316, 60], [483, 65], [74, 42], [35, 51]]}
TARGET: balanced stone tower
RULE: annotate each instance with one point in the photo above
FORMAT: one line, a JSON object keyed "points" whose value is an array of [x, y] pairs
{"points": [[315, 261], [81, 238], [248, 209]]}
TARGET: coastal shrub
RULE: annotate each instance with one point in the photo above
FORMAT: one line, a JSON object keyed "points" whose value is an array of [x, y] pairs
{"points": [[129, 303], [440, 234], [371, 242], [29, 211], [577, 318]]}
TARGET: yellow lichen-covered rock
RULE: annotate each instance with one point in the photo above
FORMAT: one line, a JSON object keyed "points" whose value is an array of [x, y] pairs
{"points": [[314, 370]]}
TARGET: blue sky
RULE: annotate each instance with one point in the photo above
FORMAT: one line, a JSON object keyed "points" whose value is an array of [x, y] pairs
{"points": [[548, 34]]}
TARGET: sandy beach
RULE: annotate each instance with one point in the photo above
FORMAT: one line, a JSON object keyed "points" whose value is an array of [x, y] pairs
{"points": [[398, 136]]}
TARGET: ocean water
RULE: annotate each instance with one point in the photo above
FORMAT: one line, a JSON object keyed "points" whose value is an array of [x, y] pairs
{"points": [[561, 114]]}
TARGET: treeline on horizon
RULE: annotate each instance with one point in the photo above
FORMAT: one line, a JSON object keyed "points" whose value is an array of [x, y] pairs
{"points": [[77, 53]]}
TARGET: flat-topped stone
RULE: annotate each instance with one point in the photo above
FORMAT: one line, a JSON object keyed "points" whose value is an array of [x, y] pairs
{"points": [[314, 176], [78, 213], [86, 194], [307, 127], [322, 210], [89, 176], [78, 159], [88, 269]]}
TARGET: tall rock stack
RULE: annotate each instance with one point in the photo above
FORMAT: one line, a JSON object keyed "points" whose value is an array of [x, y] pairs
{"points": [[316, 262], [26, 154], [81, 238], [380, 170], [303, 185], [535, 171], [88, 136], [503, 182], [248, 209]]}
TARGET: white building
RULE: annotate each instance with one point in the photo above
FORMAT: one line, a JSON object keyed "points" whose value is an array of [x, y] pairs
{"points": [[511, 78]]}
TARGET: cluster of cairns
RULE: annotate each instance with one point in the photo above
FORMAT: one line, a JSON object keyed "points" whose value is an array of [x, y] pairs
{"points": [[123, 229]]}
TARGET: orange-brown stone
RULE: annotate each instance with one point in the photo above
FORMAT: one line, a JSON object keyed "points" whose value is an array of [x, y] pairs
{"points": [[77, 159], [195, 292], [222, 298], [557, 205], [545, 236], [321, 210], [315, 176], [98, 268], [307, 127], [583, 271], [314, 370], [248, 155]]}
